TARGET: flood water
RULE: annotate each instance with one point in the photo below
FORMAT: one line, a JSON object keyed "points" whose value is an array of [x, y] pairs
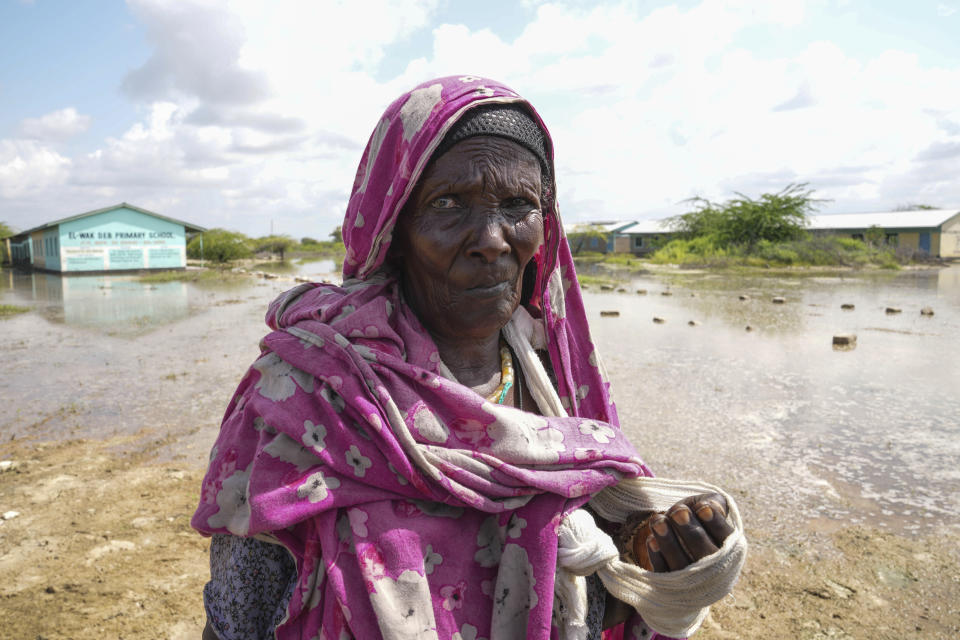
{"points": [[870, 434], [806, 435]]}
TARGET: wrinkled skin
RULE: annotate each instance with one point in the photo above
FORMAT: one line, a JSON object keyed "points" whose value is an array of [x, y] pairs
{"points": [[470, 227]]}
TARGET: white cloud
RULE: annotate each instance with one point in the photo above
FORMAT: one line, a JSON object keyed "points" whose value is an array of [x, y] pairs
{"points": [[27, 168], [55, 126], [254, 112], [649, 110]]}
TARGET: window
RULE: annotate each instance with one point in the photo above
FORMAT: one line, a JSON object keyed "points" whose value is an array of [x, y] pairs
{"points": [[892, 240], [637, 242]]}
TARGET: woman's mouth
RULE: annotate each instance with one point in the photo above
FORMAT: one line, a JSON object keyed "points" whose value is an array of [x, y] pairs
{"points": [[489, 290]]}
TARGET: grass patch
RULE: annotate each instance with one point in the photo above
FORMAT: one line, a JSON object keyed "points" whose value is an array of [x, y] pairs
{"points": [[596, 281], [193, 275], [7, 310], [327, 249]]}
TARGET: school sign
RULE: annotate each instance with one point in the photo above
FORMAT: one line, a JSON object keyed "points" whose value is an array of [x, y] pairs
{"points": [[118, 238]]}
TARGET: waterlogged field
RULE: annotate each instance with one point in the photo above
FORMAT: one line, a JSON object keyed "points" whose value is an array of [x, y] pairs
{"points": [[867, 435], [843, 461]]}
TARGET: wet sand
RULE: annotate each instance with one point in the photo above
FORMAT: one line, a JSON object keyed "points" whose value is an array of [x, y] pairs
{"points": [[108, 432]]}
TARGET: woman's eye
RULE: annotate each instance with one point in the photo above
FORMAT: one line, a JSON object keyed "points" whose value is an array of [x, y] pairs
{"points": [[444, 202], [519, 203]]}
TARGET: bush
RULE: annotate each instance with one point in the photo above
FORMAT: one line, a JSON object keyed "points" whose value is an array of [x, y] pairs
{"points": [[699, 251], [781, 254], [273, 244], [743, 221], [219, 245]]}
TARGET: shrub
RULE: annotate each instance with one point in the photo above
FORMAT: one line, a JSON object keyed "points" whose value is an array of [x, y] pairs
{"points": [[219, 245], [744, 221]]}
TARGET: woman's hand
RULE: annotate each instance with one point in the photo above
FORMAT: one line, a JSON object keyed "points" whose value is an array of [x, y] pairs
{"points": [[692, 529]]}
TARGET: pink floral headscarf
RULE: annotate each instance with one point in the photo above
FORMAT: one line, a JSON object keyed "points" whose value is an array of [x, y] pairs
{"points": [[413, 507], [399, 149]]}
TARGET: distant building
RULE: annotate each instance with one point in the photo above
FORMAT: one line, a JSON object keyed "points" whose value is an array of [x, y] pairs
{"points": [[935, 232], [599, 237], [645, 236], [118, 238]]}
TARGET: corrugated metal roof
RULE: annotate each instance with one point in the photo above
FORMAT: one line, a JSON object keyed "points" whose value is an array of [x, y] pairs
{"points": [[188, 226], [887, 220], [650, 226]]}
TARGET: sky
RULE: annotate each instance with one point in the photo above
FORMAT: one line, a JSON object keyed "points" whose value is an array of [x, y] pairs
{"points": [[252, 116]]}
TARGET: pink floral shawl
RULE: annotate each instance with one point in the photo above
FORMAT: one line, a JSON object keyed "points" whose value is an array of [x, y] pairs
{"points": [[414, 508]]}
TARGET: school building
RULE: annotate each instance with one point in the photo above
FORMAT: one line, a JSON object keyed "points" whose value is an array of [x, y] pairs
{"points": [[118, 238]]}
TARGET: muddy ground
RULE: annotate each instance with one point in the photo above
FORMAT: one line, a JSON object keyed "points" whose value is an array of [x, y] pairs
{"points": [[102, 548], [106, 439]]}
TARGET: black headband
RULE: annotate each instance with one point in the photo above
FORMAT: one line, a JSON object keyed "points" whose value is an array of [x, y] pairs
{"points": [[504, 120]]}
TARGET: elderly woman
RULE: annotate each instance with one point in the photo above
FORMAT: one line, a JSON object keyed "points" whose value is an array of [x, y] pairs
{"points": [[430, 450]]}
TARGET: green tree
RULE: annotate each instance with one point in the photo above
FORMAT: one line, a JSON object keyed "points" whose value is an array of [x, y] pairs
{"points": [[744, 221], [5, 230], [308, 240], [274, 244], [219, 245], [337, 234]]}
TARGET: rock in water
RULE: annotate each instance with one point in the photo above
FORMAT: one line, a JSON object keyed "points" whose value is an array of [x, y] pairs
{"points": [[926, 311], [893, 310], [846, 306], [641, 292], [744, 296], [609, 314], [658, 320], [845, 339], [779, 300]]}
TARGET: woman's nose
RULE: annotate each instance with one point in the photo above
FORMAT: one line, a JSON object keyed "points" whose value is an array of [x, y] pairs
{"points": [[490, 241]]}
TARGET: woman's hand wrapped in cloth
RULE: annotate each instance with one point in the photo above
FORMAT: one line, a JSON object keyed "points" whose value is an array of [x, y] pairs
{"points": [[692, 529]]}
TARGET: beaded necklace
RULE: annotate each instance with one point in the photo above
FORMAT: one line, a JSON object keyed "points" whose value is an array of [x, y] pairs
{"points": [[506, 375]]}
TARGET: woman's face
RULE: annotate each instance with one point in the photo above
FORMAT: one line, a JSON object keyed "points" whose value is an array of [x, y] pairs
{"points": [[470, 227]]}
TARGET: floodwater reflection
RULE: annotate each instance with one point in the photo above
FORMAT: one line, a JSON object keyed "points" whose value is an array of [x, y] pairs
{"points": [[115, 303]]}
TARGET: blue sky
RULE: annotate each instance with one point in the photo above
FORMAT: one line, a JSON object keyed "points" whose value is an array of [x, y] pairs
{"points": [[247, 114]]}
